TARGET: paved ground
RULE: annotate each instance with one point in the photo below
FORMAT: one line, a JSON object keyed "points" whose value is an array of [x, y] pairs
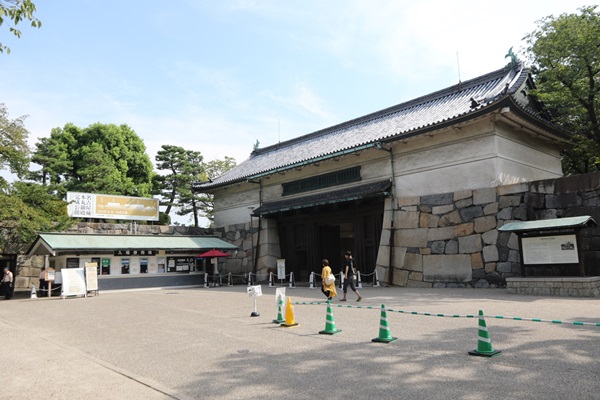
{"points": [[201, 343]]}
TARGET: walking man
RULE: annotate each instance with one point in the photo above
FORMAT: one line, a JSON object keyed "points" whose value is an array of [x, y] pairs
{"points": [[348, 269]]}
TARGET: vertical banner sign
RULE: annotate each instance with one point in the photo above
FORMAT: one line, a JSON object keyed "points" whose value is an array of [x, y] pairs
{"points": [[281, 268], [91, 276]]}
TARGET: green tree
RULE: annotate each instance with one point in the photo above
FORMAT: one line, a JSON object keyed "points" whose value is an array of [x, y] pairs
{"points": [[173, 160], [102, 158], [16, 11], [565, 55], [212, 169], [14, 152], [28, 208], [191, 173]]}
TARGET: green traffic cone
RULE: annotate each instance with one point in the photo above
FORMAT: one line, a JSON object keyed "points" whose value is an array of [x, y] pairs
{"points": [[384, 330], [484, 344], [330, 328], [279, 319]]}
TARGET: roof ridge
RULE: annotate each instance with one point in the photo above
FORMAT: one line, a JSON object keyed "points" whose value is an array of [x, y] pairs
{"points": [[456, 88]]}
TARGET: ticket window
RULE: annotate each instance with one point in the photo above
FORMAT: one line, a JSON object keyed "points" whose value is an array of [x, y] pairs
{"points": [[143, 265], [105, 266], [125, 264]]}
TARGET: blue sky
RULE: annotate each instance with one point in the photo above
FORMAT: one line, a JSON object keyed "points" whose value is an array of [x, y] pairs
{"points": [[215, 76]]}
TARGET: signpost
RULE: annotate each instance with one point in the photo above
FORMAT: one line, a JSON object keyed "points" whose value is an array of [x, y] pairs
{"points": [[255, 291]]}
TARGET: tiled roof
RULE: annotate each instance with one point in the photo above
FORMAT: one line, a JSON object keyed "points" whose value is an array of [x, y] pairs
{"points": [[367, 190], [404, 120]]}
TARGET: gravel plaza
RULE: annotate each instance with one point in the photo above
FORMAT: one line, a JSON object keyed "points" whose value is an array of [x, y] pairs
{"points": [[202, 343]]}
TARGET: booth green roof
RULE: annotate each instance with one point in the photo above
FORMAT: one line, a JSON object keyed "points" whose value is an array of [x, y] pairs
{"points": [[47, 243]]}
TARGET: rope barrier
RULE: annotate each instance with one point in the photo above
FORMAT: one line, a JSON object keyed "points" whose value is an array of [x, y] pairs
{"points": [[430, 314]]}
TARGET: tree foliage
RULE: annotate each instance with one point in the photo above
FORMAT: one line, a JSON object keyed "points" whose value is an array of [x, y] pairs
{"points": [[185, 169], [212, 170], [28, 208], [16, 11], [565, 55], [102, 158], [14, 152]]}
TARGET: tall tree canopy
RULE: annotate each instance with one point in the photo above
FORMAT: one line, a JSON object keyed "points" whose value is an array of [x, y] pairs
{"points": [[16, 11], [212, 170], [102, 158], [185, 169], [14, 151], [28, 208], [565, 55]]}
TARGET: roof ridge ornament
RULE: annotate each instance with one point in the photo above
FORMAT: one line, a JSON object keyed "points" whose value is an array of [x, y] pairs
{"points": [[514, 60]]}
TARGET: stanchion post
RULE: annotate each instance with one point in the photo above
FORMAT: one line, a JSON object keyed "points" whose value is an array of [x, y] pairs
{"points": [[311, 280], [359, 280]]}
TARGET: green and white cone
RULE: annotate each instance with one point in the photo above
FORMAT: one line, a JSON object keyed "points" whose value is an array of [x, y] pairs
{"points": [[280, 319], [384, 330], [484, 344], [330, 328]]}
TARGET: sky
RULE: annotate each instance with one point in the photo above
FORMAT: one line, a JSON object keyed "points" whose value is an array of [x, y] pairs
{"points": [[218, 76]]}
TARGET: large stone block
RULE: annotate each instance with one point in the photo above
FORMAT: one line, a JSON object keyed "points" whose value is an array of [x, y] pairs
{"points": [[413, 262], [383, 256], [490, 237], [469, 244], [406, 219], [470, 213], [451, 247], [484, 196], [490, 254], [484, 224], [438, 247], [490, 209], [437, 199], [440, 234], [452, 218], [509, 201], [451, 268], [400, 277], [408, 201], [464, 203], [411, 237], [566, 200], [463, 229], [463, 194], [439, 210]]}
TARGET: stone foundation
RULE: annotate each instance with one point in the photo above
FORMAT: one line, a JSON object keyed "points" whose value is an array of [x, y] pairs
{"points": [[551, 286]]}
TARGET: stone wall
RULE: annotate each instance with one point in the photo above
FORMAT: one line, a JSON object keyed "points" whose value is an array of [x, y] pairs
{"points": [[452, 239]]}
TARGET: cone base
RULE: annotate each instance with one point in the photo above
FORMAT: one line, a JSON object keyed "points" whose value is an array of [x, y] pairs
{"points": [[255, 314], [485, 354], [278, 321], [330, 332], [288, 325], [380, 340]]}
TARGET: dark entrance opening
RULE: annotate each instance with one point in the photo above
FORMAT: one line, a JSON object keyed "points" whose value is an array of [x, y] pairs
{"points": [[307, 236]]}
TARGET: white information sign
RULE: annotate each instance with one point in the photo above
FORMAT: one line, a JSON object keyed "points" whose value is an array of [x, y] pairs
{"points": [[91, 276], [550, 250], [73, 282], [254, 291], [281, 268]]}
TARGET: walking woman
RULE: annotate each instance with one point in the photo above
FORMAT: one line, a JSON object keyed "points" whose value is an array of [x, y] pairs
{"points": [[328, 289]]}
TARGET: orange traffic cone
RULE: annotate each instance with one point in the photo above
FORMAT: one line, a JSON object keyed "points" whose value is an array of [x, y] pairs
{"points": [[289, 315], [330, 328], [484, 344], [384, 330]]}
